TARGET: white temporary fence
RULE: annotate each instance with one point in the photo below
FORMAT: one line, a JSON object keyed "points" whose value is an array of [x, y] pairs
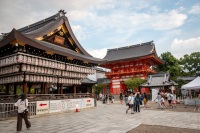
{"points": [[188, 101], [43, 107]]}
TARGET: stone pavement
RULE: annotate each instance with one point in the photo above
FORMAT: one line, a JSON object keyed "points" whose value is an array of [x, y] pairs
{"points": [[106, 118]]}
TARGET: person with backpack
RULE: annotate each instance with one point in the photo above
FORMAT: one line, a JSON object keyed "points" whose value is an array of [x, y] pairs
{"points": [[22, 105], [137, 103], [130, 103]]}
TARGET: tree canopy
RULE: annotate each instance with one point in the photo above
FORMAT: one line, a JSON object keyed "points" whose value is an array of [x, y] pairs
{"points": [[98, 88], [190, 63], [133, 83], [171, 64]]}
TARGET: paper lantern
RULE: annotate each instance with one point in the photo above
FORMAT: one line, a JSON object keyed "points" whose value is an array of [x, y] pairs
{"points": [[40, 62], [36, 61], [28, 68], [29, 60]]}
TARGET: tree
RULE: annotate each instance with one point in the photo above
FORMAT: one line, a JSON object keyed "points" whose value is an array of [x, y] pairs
{"points": [[171, 65], [190, 63], [98, 88], [134, 83]]}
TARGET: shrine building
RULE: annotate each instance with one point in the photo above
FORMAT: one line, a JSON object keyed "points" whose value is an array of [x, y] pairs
{"points": [[131, 61], [44, 54]]}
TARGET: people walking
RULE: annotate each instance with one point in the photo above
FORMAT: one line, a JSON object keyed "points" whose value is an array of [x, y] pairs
{"points": [[159, 98], [141, 99], [126, 98], [162, 101], [170, 97], [137, 103], [145, 100], [121, 98], [22, 105], [130, 103], [197, 103]]}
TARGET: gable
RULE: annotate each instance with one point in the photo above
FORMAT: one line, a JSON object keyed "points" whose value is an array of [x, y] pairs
{"points": [[61, 37]]}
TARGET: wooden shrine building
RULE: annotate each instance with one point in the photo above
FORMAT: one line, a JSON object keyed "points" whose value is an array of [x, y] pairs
{"points": [[131, 61], [44, 54]]}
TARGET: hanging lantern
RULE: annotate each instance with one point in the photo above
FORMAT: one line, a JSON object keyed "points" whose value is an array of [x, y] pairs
{"points": [[36, 61], [52, 64], [44, 63]]}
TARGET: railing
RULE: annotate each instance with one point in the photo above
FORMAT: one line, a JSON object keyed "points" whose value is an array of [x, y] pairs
{"points": [[129, 71], [41, 97], [9, 110]]}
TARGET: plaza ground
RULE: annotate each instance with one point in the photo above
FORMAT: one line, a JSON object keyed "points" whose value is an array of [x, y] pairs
{"points": [[111, 118]]}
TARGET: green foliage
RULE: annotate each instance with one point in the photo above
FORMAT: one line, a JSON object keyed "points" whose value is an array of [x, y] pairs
{"points": [[171, 65], [190, 63], [134, 83], [98, 88]]}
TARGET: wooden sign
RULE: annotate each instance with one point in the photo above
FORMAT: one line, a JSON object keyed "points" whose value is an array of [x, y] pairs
{"points": [[59, 40]]}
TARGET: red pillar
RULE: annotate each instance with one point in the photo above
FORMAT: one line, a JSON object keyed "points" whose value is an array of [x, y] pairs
{"points": [[25, 87], [61, 88], [45, 88], [74, 90]]}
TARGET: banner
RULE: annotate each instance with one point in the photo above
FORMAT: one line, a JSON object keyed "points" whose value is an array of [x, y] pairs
{"points": [[57, 106]]}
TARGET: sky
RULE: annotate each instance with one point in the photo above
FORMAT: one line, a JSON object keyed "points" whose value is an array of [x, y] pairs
{"points": [[173, 25]]}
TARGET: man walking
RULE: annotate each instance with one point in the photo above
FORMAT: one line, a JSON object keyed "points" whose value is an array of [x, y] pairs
{"points": [[130, 103]]}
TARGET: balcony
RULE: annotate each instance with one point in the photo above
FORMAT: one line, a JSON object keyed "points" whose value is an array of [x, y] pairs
{"points": [[130, 72]]}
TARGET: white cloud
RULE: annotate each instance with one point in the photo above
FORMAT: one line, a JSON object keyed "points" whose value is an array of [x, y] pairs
{"points": [[155, 9], [167, 21], [182, 47], [195, 9], [98, 53]]}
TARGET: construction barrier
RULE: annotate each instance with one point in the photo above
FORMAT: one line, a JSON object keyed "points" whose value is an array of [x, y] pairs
{"points": [[43, 107]]}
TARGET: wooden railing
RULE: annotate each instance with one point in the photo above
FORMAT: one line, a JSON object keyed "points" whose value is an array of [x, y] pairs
{"points": [[129, 72], [41, 97]]}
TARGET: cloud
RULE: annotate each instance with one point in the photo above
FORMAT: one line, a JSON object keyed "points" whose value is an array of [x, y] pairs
{"points": [[98, 53], [195, 9], [182, 47]]}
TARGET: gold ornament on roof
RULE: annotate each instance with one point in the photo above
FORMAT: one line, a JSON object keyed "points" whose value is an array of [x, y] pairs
{"points": [[61, 33]]}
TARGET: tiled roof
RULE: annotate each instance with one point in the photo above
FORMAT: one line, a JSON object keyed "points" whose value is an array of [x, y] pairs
{"points": [[88, 81], [103, 81], [130, 52], [29, 33], [158, 80]]}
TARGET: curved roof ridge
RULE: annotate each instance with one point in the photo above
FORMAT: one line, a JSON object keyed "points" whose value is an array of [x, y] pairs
{"points": [[131, 46], [40, 23]]}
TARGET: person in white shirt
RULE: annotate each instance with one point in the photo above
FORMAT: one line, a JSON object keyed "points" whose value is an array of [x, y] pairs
{"points": [[170, 97], [22, 105], [159, 102], [130, 103]]}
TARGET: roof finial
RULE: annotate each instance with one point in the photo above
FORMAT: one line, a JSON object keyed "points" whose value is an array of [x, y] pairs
{"points": [[62, 12]]}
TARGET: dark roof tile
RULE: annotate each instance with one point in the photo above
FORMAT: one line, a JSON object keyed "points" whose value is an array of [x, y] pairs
{"points": [[130, 52]]}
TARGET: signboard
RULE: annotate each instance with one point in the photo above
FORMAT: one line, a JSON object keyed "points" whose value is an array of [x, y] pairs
{"points": [[89, 102], [63, 105], [57, 106], [59, 40], [42, 107]]}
